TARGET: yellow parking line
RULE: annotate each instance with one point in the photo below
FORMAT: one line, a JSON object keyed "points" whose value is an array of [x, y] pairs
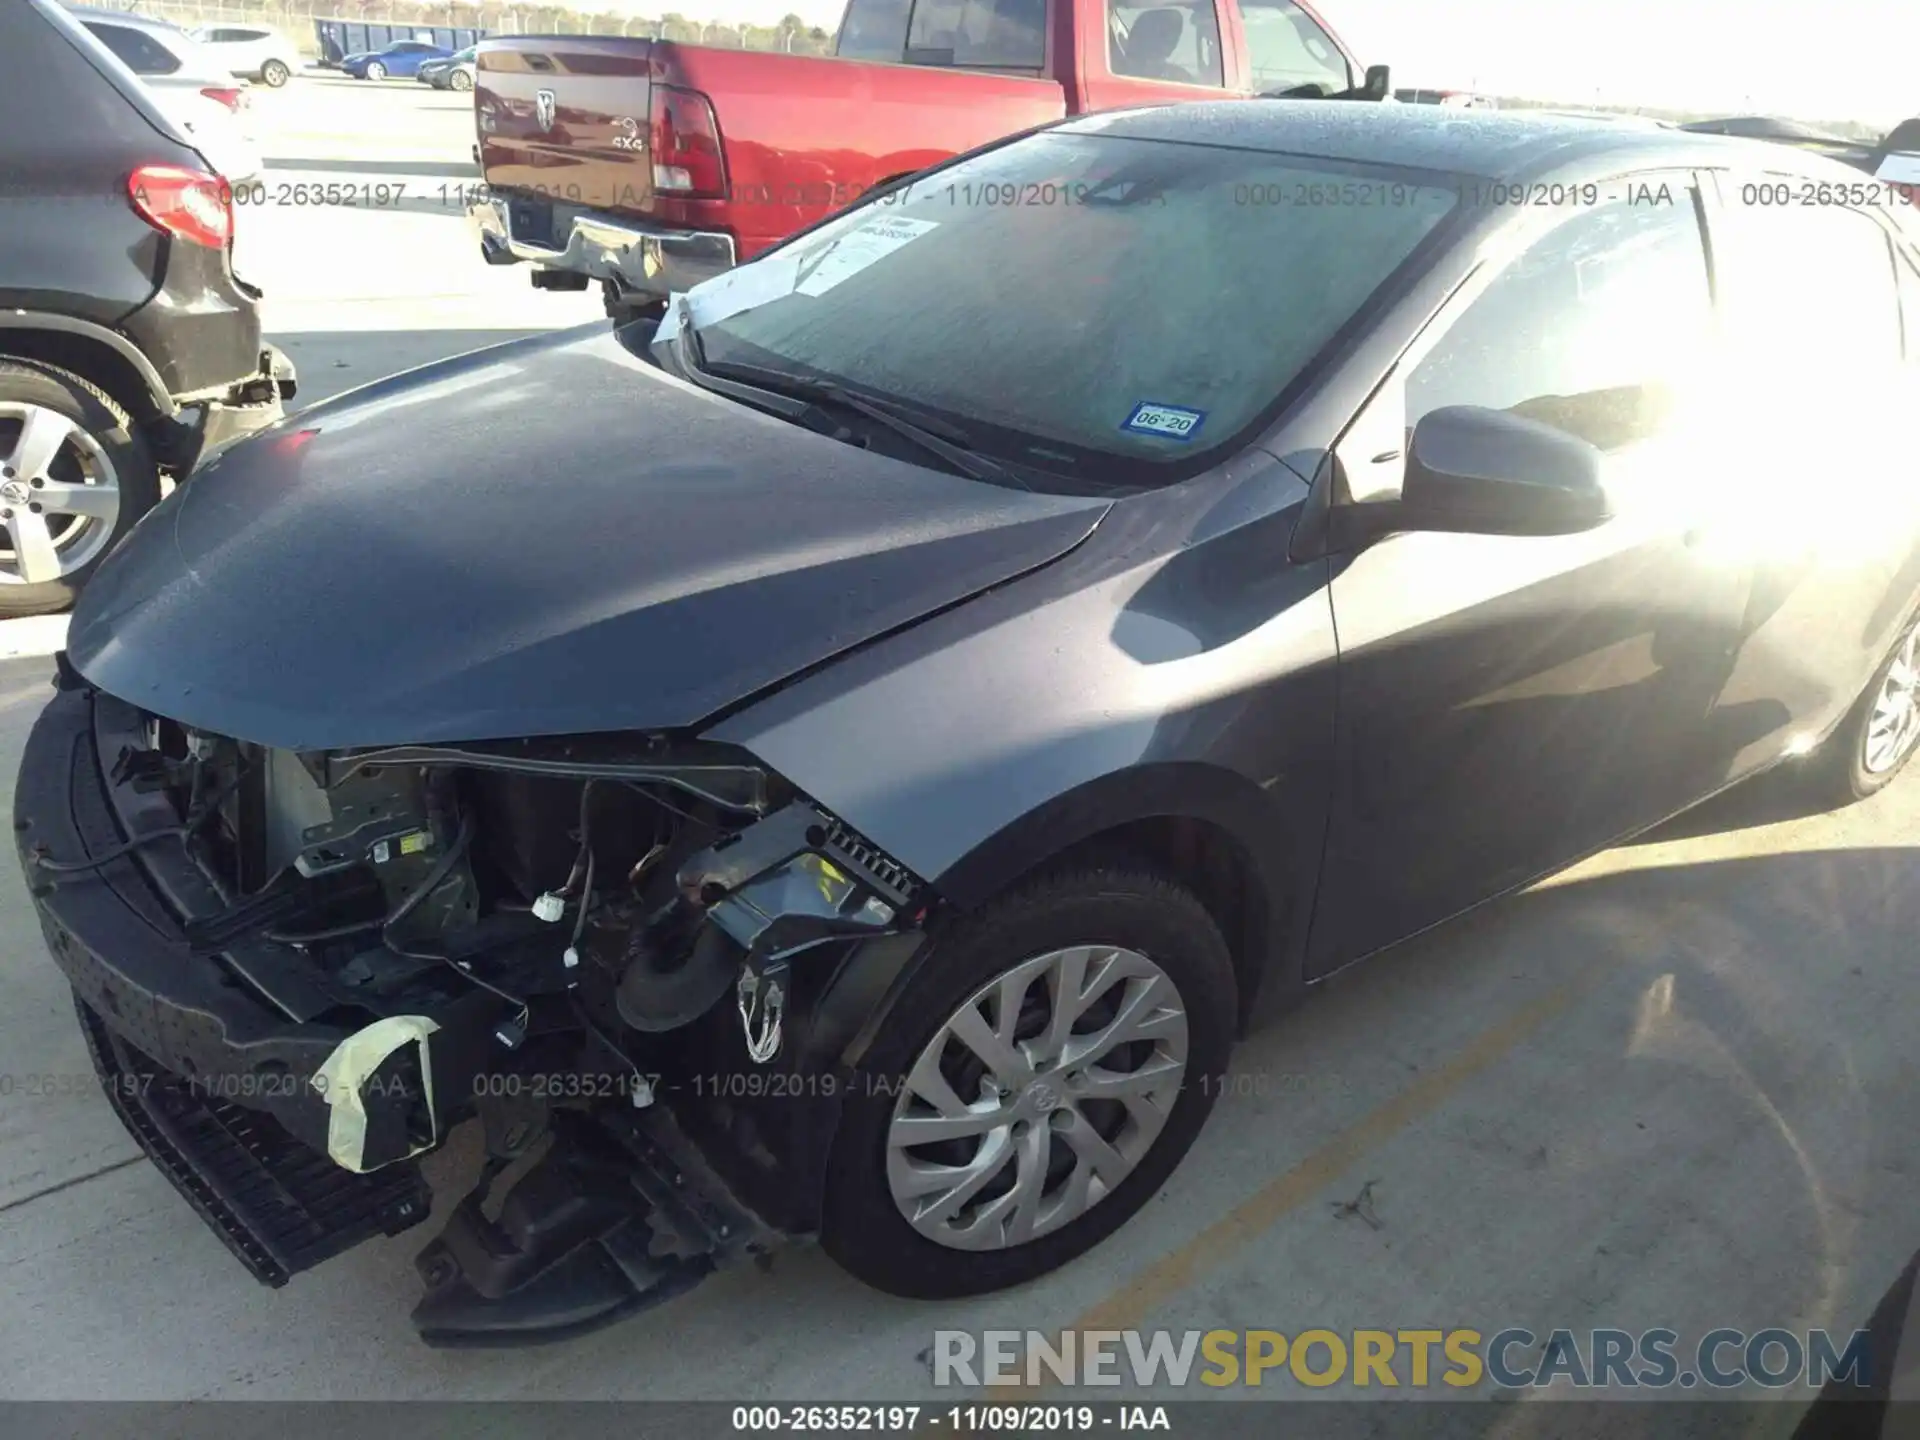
{"points": [[1128, 1308]]}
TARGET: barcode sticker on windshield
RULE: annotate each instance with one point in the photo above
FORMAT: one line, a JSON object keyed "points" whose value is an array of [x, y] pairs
{"points": [[855, 250], [1170, 421]]}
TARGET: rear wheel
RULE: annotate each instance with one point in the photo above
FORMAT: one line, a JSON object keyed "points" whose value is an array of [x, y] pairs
{"points": [[376, 71], [1881, 732], [275, 73], [1035, 1084], [74, 477]]}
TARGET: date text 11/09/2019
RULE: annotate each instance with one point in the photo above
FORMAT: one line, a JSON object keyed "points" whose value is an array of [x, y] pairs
{"points": [[634, 1085], [960, 1419], [825, 1084]]}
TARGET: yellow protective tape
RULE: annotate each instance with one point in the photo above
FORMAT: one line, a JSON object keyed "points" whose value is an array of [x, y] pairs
{"points": [[350, 1066]]}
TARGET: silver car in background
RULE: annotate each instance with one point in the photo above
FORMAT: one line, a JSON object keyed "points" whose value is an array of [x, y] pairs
{"points": [[456, 72], [188, 82], [255, 52]]}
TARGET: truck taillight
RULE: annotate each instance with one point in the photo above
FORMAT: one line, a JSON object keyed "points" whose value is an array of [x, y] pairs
{"points": [[192, 204], [686, 145]]}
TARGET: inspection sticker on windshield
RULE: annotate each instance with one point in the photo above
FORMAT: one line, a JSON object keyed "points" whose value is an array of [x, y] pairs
{"points": [[1900, 168], [1170, 421], [854, 251]]}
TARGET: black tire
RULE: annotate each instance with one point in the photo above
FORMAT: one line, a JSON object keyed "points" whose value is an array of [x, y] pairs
{"points": [[1838, 775], [275, 73], [32, 383], [624, 310], [459, 80], [863, 1228]]}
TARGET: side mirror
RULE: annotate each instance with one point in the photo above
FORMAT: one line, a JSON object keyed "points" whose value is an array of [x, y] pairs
{"points": [[1379, 83], [1487, 472]]}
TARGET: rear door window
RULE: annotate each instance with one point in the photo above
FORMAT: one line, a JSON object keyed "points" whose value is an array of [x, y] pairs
{"points": [[1286, 50], [143, 54], [1176, 43], [1811, 289]]}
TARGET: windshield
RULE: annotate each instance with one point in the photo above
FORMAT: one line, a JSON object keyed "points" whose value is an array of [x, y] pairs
{"points": [[1096, 306]]}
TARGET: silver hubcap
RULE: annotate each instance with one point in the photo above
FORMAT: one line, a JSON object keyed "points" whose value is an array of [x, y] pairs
{"points": [[59, 495], [1895, 722], [1037, 1097]]}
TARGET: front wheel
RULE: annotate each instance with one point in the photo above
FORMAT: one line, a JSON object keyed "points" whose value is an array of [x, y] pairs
{"points": [[275, 73], [1881, 732], [376, 71], [1035, 1084], [460, 80], [74, 476]]}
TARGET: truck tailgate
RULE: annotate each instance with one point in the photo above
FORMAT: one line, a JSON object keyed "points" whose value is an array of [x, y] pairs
{"points": [[565, 117], [565, 124]]}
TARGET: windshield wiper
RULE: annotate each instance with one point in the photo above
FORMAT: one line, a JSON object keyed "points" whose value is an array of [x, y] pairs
{"points": [[935, 436]]}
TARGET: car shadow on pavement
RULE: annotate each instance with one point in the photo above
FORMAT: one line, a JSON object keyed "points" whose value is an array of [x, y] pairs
{"points": [[1781, 794]]}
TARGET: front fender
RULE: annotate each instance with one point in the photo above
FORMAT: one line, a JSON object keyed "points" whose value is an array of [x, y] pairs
{"points": [[1174, 665]]}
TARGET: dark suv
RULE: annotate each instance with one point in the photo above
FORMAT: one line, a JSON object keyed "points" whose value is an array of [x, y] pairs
{"points": [[128, 347]]}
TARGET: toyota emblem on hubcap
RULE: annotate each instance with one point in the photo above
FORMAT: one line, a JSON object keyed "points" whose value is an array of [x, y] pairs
{"points": [[1043, 1097]]}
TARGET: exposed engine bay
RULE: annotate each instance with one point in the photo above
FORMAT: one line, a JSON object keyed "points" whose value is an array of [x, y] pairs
{"points": [[612, 953], [638, 891]]}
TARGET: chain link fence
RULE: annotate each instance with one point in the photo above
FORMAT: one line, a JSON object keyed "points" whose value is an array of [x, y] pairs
{"points": [[294, 19]]}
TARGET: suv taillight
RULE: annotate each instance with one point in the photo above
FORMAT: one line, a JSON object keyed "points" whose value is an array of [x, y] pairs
{"points": [[192, 204], [686, 145], [231, 98]]}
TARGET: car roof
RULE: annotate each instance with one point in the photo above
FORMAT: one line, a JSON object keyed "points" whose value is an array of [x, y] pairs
{"points": [[1511, 145]]}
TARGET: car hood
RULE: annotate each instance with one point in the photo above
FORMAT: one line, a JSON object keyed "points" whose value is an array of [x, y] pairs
{"points": [[541, 538]]}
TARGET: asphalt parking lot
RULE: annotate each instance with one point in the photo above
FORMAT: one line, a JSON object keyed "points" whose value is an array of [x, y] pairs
{"points": [[1673, 1088]]}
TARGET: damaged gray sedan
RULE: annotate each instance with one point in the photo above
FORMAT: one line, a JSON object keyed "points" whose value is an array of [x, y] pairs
{"points": [[848, 764]]}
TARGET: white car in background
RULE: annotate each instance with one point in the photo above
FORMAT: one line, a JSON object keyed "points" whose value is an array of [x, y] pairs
{"points": [[257, 52], [194, 88]]}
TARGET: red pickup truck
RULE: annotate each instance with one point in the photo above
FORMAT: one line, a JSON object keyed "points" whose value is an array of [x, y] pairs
{"points": [[649, 165]]}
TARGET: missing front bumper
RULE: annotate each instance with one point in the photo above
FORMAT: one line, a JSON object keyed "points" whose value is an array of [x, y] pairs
{"points": [[620, 1215], [277, 1204], [210, 1062]]}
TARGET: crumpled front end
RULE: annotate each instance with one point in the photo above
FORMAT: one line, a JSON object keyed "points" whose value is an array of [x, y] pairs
{"points": [[644, 965]]}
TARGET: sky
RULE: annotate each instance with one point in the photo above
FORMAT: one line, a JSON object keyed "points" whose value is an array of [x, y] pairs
{"points": [[1826, 59]]}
